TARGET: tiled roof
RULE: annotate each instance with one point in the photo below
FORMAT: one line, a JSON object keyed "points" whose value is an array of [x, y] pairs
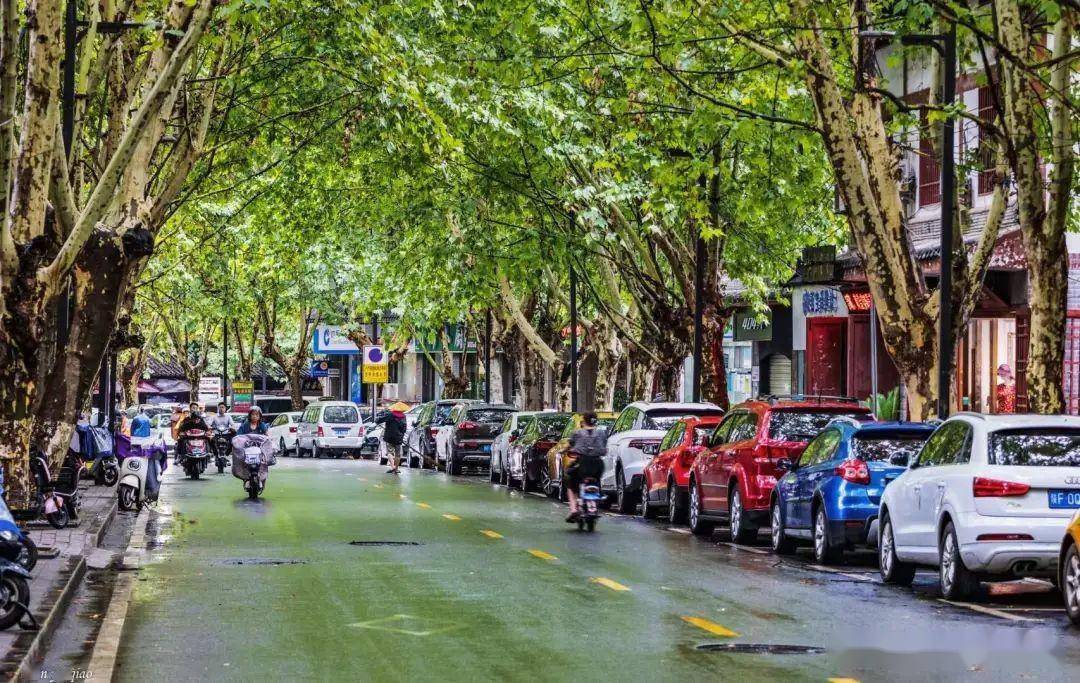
{"points": [[169, 367]]}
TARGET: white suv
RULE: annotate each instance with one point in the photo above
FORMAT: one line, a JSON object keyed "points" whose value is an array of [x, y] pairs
{"points": [[330, 427], [986, 498], [640, 426]]}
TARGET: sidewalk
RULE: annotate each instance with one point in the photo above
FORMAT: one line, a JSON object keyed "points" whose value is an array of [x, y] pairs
{"points": [[60, 568]]}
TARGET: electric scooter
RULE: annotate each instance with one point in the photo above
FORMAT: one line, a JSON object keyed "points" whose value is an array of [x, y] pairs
{"points": [[140, 471], [589, 504]]}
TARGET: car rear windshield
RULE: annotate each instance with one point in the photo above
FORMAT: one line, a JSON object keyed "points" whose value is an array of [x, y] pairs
{"points": [[488, 415], [666, 419], [340, 415], [897, 450], [803, 425], [551, 425], [1036, 447]]}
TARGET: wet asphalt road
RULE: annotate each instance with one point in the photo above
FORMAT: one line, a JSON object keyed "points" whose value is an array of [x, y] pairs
{"points": [[498, 587]]}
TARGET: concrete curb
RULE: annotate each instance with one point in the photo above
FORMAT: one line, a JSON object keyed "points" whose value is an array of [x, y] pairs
{"points": [[77, 570], [103, 659]]}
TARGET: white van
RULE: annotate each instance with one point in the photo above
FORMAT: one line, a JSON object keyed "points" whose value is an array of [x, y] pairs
{"points": [[330, 427]]}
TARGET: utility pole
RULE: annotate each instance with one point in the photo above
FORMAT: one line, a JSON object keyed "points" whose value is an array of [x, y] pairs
{"points": [[487, 357], [699, 312], [948, 209], [374, 340], [225, 359], [573, 340]]}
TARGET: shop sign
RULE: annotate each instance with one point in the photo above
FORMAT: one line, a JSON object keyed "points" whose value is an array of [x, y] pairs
{"points": [[752, 326], [243, 395], [819, 302], [319, 368]]}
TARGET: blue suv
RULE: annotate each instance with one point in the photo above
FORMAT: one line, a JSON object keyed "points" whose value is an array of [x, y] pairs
{"points": [[830, 496]]}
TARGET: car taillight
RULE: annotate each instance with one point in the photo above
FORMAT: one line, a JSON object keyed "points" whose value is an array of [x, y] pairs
{"points": [[642, 443], [319, 431], [982, 487], [1004, 537], [854, 470], [292, 430], [468, 425]]}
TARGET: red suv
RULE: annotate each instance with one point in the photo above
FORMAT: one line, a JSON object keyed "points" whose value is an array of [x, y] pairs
{"points": [[734, 478], [666, 475]]}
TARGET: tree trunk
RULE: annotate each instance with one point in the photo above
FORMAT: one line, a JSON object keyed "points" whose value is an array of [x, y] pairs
{"points": [[713, 372], [295, 377], [642, 374]]}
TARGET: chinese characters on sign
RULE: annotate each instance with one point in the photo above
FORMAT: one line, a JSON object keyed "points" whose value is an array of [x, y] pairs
{"points": [[375, 368], [819, 302]]}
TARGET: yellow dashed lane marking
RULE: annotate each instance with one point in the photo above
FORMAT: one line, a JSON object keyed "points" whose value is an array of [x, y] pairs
{"points": [[712, 627], [843, 680], [542, 555], [402, 496], [453, 518], [491, 534], [378, 486], [423, 505], [608, 583]]}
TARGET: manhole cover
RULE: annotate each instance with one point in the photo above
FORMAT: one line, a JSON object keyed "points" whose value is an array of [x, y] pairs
{"points": [[762, 649], [382, 543], [261, 560]]}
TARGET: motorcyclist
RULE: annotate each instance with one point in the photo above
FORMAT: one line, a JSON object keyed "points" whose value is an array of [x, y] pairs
{"points": [[586, 452], [254, 423], [221, 422], [194, 420]]}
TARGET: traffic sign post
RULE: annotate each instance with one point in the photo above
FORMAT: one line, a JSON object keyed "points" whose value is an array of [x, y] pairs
{"points": [[243, 395], [376, 370]]}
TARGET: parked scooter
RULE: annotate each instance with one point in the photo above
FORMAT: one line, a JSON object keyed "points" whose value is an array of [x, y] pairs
{"points": [[144, 459], [196, 453], [56, 499], [589, 505], [15, 545], [98, 453], [221, 444], [253, 454]]}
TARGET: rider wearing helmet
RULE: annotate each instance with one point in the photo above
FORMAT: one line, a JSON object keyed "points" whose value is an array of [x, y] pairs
{"points": [[254, 423], [587, 448]]}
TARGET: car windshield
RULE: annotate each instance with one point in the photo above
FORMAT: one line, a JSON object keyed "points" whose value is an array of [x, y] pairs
{"points": [[442, 413], [551, 425], [488, 415], [666, 419], [340, 415], [803, 425], [1036, 447], [897, 450]]}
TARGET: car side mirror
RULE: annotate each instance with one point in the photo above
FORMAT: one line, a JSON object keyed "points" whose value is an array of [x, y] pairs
{"points": [[786, 464]]}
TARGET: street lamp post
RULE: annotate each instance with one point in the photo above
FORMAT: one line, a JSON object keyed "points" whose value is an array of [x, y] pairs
{"points": [[573, 340], [487, 357], [945, 44]]}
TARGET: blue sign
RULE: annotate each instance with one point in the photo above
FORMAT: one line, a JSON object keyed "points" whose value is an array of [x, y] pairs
{"points": [[819, 302], [320, 368]]}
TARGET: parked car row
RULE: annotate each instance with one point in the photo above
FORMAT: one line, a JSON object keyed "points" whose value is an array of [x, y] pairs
{"points": [[978, 497]]}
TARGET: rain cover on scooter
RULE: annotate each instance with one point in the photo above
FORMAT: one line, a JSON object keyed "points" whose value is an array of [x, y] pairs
{"points": [[266, 455], [150, 447]]}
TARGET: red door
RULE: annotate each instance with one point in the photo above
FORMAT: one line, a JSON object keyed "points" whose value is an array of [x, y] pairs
{"points": [[825, 351]]}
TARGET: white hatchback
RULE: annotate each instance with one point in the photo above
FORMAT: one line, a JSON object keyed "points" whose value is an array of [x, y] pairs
{"points": [[329, 427], [987, 498], [282, 432]]}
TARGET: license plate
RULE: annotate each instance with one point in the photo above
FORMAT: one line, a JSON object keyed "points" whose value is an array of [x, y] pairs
{"points": [[486, 448], [252, 460], [341, 432], [1064, 498]]}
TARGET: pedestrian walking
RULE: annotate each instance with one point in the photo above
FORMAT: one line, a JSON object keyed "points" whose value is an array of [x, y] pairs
{"points": [[1006, 390], [393, 435]]}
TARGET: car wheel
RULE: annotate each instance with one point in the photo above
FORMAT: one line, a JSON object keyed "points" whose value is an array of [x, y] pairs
{"points": [[892, 569], [698, 525], [825, 552], [781, 544], [625, 499], [676, 505], [492, 476], [741, 531], [545, 482], [647, 511], [1070, 583], [957, 581], [281, 447]]}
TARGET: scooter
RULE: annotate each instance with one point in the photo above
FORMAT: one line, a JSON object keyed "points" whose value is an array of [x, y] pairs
{"points": [[220, 444], [99, 455], [15, 545], [196, 453], [140, 472], [56, 499], [589, 504], [252, 456]]}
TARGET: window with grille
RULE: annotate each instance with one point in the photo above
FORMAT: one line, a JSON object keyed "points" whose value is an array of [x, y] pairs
{"points": [[986, 154], [929, 167]]}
